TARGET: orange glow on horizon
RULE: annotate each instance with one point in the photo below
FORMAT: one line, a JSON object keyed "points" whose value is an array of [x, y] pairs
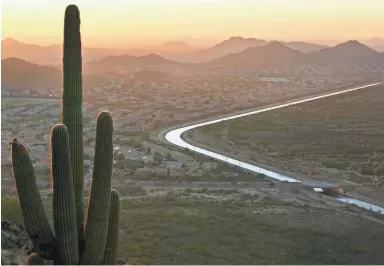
{"points": [[126, 23]]}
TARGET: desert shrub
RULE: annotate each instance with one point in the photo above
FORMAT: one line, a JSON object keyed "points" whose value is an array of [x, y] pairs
{"points": [[10, 210]]}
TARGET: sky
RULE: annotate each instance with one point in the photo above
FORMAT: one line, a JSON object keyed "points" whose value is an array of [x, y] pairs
{"points": [[134, 23]]}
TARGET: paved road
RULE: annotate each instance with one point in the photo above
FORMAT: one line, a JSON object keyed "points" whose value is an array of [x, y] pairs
{"points": [[214, 185]]}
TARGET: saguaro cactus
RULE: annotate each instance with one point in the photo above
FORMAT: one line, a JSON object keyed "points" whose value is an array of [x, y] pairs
{"points": [[72, 116], [68, 245]]}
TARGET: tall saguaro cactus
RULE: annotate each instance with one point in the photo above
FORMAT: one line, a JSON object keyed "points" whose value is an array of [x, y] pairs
{"points": [[72, 116], [71, 244]]}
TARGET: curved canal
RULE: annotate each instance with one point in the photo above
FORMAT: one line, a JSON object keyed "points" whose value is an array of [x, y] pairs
{"points": [[175, 137]]}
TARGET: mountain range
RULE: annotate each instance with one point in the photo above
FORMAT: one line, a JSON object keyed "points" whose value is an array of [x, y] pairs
{"points": [[238, 44], [126, 62], [173, 50], [276, 54], [20, 74]]}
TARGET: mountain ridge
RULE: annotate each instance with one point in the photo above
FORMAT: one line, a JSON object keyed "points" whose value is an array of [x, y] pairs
{"points": [[19, 74], [277, 54]]}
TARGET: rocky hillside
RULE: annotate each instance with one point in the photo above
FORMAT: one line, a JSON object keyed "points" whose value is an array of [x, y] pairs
{"points": [[15, 244]]}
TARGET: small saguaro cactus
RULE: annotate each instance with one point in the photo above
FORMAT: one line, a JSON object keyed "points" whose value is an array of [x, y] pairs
{"points": [[72, 242], [71, 115]]}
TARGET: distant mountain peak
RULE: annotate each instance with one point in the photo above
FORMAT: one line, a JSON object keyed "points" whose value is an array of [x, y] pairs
{"points": [[18, 61], [353, 46], [153, 56], [235, 38], [239, 38], [352, 43], [19, 74], [174, 43], [276, 45], [10, 40]]}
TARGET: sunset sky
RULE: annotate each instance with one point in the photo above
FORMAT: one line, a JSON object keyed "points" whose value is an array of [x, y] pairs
{"points": [[113, 23]]}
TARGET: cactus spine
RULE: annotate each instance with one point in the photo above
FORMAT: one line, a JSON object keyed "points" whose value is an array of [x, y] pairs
{"points": [[64, 212], [96, 229], [110, 255], [35, 220], [35, 259], [72, 116]]}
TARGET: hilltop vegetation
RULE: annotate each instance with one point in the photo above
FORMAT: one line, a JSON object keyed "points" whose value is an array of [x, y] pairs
{"points": [[203, 227]]}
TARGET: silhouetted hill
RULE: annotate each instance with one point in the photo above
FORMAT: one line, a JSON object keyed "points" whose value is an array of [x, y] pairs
{"points": [[351, 53], [348, 53], [232, 45], [18, 74], [127, 62], [304, 47], [174, 47], [239, 44], [47, 55], [273, 54], [52, 54]]}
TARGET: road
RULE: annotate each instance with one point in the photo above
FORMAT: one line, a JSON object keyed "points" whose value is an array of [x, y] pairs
{"points": [[174, 136]]}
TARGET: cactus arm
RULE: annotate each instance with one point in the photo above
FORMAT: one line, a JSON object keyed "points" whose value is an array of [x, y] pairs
{"points": [[111, 250], [35, 220], [72, 98], [96, 228], [64, 207], [35, 259]]}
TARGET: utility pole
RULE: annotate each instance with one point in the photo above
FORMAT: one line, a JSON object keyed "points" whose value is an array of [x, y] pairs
{"points": [[226, 132]]}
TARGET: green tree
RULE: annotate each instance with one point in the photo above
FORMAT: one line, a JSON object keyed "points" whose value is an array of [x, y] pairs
{"points": [[120, 157], [157, 157]]}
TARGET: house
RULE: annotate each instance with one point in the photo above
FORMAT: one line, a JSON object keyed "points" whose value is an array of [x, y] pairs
{"points": [[209, 165], [182, 158], [176, 172], [195, 172], [147, 159], [161, 171], [172, 165], [191, 164], [143, 171], [132, 155]]}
